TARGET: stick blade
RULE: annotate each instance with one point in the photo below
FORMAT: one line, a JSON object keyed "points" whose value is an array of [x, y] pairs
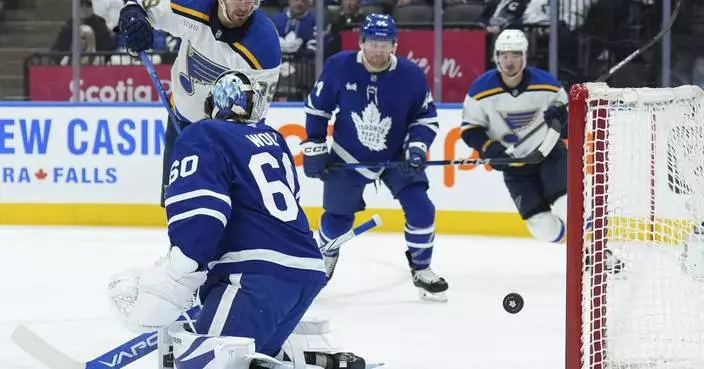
{"points": [[43, 352]]}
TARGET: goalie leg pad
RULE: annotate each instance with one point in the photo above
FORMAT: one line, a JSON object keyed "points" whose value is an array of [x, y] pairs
{"points": [[196, 351], [263, 307], [546, 226]]}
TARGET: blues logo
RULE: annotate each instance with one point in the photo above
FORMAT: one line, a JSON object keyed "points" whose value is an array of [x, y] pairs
{"points": [[516, 121], [199, 69]]}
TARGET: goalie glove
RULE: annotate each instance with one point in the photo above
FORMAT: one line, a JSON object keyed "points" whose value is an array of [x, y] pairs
{"points": [[154, 297]]}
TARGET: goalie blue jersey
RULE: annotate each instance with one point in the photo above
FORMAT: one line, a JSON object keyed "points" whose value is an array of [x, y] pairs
{"points": [[378, 112], [232, 203]]}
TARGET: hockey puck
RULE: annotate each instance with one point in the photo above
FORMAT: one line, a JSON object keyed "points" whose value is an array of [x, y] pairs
{"points": [[513, 303]]}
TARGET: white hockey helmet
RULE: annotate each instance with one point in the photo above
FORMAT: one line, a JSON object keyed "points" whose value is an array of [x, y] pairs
{"points": [[511, 40]]}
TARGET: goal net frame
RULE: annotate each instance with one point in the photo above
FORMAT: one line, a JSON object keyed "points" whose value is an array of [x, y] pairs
{"points": [[588, 156]]}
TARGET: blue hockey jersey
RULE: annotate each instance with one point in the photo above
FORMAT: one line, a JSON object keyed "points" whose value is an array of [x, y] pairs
{"points": [[378, 112], [302, 28], [232, 203]]}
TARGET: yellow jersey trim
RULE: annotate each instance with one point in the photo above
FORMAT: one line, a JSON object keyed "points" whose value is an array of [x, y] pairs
{"points": [[487, 93], [180, 9], [251, 59]]}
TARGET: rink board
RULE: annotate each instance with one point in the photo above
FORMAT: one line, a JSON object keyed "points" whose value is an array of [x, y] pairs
{"points": [[100, 164]]}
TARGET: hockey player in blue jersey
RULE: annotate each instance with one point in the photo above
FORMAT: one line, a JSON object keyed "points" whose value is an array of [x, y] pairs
{"points": [[237, 231], [386, 113], [217, 35]]}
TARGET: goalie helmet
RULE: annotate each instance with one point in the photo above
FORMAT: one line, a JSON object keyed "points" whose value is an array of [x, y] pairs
{"points": [[511, 40], [380, 27], [234, 96]]}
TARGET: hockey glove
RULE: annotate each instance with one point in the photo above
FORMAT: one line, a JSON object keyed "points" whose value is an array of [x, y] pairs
{"points": [[495, 150], [136, 28], [557, 111], [155, 296], [416, 156], [315, 158]]}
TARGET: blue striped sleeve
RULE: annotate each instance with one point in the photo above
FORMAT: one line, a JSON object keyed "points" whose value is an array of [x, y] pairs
{"points": [[198, 203]]}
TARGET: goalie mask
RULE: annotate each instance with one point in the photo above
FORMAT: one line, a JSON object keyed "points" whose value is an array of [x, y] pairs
{"points": [[235, 97], [511, 40]]}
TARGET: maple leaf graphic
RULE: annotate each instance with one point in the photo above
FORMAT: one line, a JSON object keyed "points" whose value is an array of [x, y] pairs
{"points": [[40, 174], [371, 128]]}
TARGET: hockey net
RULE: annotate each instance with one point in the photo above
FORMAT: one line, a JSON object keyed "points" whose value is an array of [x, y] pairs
{"points": [[636, 193]]}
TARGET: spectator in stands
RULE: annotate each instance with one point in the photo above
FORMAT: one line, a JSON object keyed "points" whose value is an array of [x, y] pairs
{"points": [[296, 27], [104, 40], [350, 14], [687, 43], [108, 10], [87, 47], [501, 14]]}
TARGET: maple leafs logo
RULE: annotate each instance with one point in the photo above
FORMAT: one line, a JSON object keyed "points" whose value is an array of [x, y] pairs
{"points": [[371, 128], [40, 174]]}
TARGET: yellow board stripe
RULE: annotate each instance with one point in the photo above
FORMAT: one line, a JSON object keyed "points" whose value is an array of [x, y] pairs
{"points": [[544, 87], [247, 55], [194, 13], [138, 215]]}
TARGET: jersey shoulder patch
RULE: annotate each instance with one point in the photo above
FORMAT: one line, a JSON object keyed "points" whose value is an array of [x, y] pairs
{"points": [[260, 47], [197, 10], [541, 80], [487, 84]]}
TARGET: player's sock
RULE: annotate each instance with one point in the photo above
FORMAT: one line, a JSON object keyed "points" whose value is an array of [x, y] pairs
{"points": [[430, 286]]}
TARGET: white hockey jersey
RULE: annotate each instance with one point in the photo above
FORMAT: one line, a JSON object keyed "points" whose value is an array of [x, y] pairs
{"points": [[508, 114], [208, 49]]}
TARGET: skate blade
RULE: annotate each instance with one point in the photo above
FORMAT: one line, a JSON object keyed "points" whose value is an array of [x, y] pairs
{"points": [[433, 297]]}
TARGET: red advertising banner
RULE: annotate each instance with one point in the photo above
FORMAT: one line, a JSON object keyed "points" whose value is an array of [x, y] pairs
{"points": [[98, 83], [463, 56]]}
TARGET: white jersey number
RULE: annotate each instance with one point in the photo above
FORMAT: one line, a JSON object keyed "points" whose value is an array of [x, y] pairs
{"points": [[269, 188], [183, 168]]}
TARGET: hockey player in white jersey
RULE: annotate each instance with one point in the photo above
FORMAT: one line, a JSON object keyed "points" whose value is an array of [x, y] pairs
{"points": [[217, 35], [501, 107], [504, 104]]}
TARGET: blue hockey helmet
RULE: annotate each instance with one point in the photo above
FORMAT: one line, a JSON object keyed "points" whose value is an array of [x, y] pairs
{"points": [[379, 27], [235, 97]]}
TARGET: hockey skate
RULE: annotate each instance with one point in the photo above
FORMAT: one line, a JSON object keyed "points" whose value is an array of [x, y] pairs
{"points": [[430, 286]]}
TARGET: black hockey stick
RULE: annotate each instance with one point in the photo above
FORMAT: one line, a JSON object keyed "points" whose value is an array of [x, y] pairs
{"points": [[551, 138], [645, 47]]}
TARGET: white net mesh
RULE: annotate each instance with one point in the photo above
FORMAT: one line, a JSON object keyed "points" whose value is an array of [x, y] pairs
{"points": [[643, 195]]}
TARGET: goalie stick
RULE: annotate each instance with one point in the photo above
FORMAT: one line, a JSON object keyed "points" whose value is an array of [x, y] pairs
{"points": [[137, 347]]}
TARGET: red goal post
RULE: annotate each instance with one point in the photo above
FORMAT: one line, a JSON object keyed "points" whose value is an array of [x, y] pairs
{"points": [[636, 195]]}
